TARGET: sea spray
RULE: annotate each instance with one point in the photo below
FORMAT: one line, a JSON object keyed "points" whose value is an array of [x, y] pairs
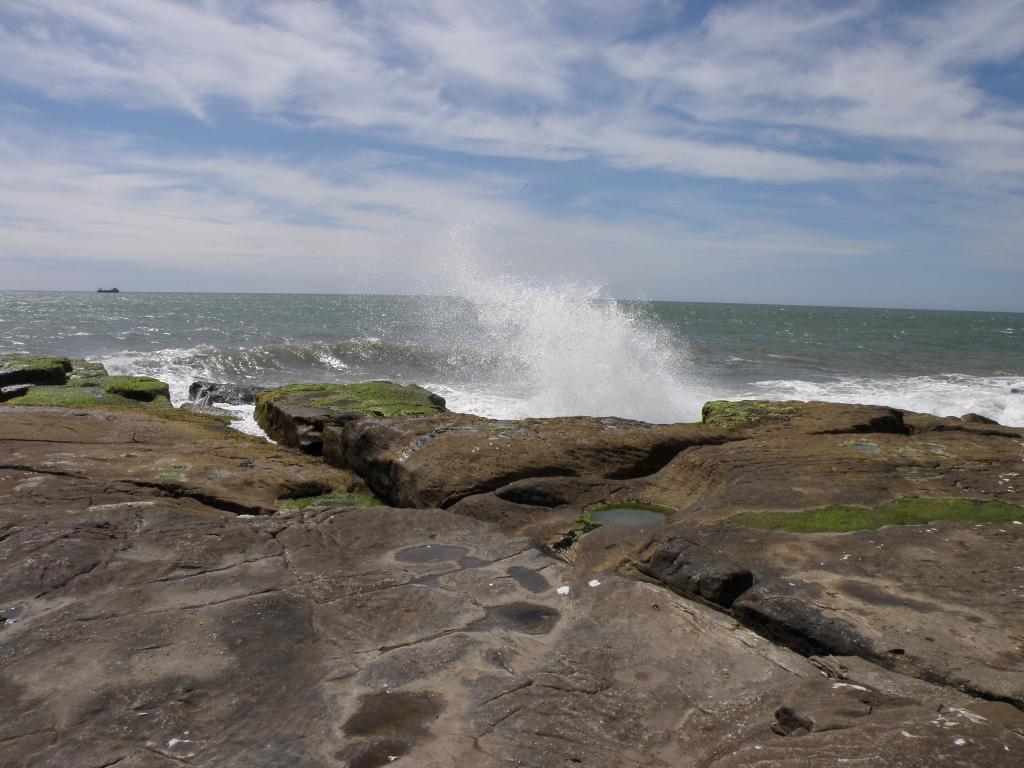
{"points": [[562, 348]]}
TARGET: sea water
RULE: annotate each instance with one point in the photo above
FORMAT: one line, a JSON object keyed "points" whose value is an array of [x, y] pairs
{"points": [[505, 347]]}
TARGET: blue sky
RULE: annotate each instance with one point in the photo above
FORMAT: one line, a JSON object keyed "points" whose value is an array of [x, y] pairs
{"points": [[857, 153]]}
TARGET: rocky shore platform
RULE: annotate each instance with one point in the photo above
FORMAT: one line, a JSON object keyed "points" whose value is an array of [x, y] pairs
{"points": [[391, 583]]}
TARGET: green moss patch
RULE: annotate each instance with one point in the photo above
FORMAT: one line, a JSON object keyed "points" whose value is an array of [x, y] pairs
{"points": [[71, 397], [141, 388], [384, 398], [906, 511], [125, 391], [353, 499], [31, 369], [738, 413]]}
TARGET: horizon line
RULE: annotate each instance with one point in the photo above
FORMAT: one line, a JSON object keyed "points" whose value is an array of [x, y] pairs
{"points": [[122, 292]]}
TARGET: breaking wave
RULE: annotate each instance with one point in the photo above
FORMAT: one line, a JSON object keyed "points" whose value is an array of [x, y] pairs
{"points": [[562, 348]]}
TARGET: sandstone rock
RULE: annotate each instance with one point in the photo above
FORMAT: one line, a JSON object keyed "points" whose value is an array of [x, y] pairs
{"points": [[159, 630], [75, 458], [816, 463], [296, 415], [932, 601], [692, 569], [148, 618], [438, 460]]}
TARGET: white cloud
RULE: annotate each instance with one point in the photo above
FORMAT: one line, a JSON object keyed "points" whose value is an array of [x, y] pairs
{"points": [[554, 80], [365, 222], [884, 107]]}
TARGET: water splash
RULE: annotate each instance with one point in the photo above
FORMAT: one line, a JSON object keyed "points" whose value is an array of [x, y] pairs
{"points": [[562, 348]]}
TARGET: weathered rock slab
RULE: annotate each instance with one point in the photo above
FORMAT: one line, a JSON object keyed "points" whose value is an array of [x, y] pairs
{"points": [[438, 460], [943, 602]]}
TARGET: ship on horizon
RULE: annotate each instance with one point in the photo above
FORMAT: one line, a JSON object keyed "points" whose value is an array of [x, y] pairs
{"points": [[107, 290]]}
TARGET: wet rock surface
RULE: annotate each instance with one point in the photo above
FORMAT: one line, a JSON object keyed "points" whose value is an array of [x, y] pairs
{"points": [[213, 392], [161, 606]]}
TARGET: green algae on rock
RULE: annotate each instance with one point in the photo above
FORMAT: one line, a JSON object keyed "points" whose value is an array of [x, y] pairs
{"points": [[32, 369], [384, 398], [130, 391], [296, 414], [905, 511], [141, 388], [738, 413], [356, 498], [74, 397]]}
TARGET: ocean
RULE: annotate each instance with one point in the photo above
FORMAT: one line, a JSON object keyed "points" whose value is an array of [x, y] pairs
{"points": [[519, 349]]}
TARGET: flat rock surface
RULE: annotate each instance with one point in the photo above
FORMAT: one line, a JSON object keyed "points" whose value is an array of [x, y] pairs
{"points": [[144, 623], [67, 460]]}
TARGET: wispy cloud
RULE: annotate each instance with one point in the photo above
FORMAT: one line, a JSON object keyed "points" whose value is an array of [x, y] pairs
{"points": [[358, 222], [782, 133], [554, 79]]}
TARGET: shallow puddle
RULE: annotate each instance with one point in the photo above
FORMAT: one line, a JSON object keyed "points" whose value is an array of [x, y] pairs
{"points": [[626, 516], [431, 553], [528, 618], [393, 715], [374, 754], [11, 615], [391, 724], [527, 579]]}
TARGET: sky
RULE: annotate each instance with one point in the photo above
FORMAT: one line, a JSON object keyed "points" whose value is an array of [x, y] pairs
{"points": [[829, 153]]}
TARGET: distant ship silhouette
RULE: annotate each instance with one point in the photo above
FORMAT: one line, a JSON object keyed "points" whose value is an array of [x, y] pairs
{"points": [[107, 290]]}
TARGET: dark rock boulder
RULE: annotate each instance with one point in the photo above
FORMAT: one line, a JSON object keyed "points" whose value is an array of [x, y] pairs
{"points": [[296, 415], [31, 369], [211, 392], [13, 391], [693, 569], [210, 410]]}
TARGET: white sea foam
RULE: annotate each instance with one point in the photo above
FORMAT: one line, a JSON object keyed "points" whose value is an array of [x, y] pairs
{"points": [[562, 348], [244, 420], [178, 368]]}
